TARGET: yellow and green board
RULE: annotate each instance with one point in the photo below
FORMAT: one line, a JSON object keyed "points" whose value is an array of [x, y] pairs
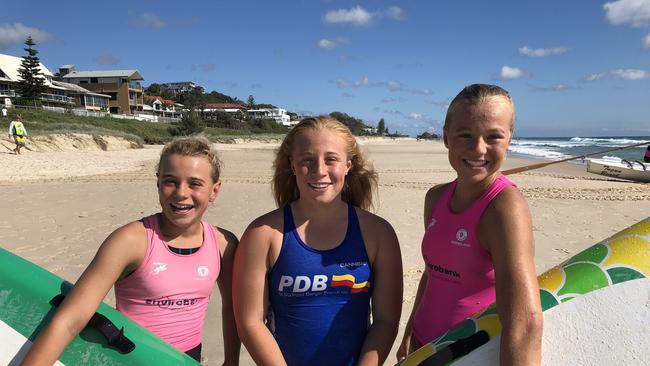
{"points": [[623, 257]]}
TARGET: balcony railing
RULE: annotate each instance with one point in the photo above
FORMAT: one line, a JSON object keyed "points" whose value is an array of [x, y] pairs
{"points": [[8, 93], [135, 85], [57, 98]]}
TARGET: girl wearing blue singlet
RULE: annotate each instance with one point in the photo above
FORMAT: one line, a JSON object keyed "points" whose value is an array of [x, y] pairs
{"points": [[306, 274]]}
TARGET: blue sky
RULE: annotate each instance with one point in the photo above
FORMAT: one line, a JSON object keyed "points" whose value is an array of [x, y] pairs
{"points": [[574, 68]]}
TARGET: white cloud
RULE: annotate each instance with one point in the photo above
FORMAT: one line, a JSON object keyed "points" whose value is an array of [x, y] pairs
{"points": [[633, 12], [396, 13], [327, 44], [356, 16], [630, 74], [148, 20], [332, 43], [509, 73], [624, 74], [17, 33], [342, 83], [646, 41], [425, 91], [542, 52], [362, 82], [393, 85], [359, 16]]}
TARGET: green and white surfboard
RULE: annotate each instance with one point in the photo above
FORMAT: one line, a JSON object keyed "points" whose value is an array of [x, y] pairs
{"points": [[26, 291], [608, 320]]}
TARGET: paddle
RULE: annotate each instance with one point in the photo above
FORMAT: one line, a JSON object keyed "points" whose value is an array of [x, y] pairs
{"points": [[541, 165]]}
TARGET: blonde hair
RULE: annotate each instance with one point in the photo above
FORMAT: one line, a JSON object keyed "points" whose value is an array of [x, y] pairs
{"points": [[360, 182], [192, 146], [479, 93]]}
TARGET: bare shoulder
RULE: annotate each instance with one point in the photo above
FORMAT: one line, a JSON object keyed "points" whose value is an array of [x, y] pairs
{"points": [[509, 203], [128, 236], [372, 223], [227, 239], [433, 195], [271, 221], [124, 248], [506, 222], [378, 234]]}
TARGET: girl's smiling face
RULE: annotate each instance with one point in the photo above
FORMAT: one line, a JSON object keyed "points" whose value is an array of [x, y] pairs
{"points": [[320, 162], [185, 188], [478, 137]]}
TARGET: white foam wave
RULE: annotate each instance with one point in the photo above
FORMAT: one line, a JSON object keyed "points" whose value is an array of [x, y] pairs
{"points": [[532, 151]]}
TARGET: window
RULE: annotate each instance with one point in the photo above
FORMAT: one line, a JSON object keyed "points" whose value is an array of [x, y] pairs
{"points": [[93, 80]]}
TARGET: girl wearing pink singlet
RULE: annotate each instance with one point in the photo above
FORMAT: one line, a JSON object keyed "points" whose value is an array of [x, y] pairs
{"points": [[478, 241], [163, 266]]}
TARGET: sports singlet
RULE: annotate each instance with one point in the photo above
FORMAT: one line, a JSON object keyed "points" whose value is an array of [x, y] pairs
{"points": [[460, 272], [320, 300], [168, 293]]}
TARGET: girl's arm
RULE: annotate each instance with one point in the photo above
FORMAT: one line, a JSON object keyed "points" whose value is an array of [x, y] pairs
{"points": [[249, 291], [231, 342], [506, 231], [120, 253], [387, 290]]}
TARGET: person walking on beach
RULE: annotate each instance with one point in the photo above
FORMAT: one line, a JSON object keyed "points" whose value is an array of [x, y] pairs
{"points": [[18, 131], [478, 242], [320, 260], [4, 112], [646, 157], [173, 255]]}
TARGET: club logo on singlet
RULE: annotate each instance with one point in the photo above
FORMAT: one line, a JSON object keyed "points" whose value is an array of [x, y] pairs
{"points": [[158, 267], [202, 271], [320, 285], [432, 222], [461, 236]]}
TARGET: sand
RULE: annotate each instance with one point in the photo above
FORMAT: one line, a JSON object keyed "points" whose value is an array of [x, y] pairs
{"points": [[58, 206]]}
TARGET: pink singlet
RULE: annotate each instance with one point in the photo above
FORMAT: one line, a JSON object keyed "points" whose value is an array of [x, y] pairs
{"points": [[169, 293], [460, 272]]}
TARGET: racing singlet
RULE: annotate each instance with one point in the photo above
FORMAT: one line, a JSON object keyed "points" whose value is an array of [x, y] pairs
{"points": [[169, 293], [320, 300], [460, 278]]}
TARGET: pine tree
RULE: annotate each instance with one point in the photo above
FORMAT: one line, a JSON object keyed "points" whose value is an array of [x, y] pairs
{"points": [[31, 83], [381, 127], [251, 101]]}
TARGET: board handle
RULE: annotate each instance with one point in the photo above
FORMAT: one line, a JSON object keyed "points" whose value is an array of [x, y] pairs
{"points": [[457, 349], [105, 326]]}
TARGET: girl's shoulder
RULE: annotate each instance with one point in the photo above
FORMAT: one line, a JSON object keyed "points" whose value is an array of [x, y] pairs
{"points": [[271, 220]]}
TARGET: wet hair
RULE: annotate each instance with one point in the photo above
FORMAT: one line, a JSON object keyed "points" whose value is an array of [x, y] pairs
{"points": [[360, 182], [192, 146], [479, 93]]}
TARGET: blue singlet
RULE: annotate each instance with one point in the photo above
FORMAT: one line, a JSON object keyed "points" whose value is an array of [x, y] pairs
{"points": [[320, 300]]}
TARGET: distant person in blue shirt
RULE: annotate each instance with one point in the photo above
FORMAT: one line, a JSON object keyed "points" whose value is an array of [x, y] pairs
{"points": [[306, 274]]}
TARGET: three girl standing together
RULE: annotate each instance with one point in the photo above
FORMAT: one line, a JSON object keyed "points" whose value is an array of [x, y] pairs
{"points": [[319, 280]]}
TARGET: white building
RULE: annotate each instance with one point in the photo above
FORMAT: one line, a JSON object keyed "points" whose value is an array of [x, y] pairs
{"points": [[279, 115]]}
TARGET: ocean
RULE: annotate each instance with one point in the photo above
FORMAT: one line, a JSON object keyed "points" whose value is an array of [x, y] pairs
{"points": [[558, 148]]}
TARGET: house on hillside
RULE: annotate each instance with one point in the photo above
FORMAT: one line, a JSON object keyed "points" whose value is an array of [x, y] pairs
{"points": [[56, 96], [179, 87], [279, 115], [162, 107], [224, 107], [123, 87], [83, 98]]}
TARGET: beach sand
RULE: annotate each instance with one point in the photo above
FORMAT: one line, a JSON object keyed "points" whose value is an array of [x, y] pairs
{"points": [[58, 206]]}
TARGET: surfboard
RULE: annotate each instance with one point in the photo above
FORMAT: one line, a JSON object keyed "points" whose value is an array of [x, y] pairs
{"points": [[595, 308], [26, 293]]}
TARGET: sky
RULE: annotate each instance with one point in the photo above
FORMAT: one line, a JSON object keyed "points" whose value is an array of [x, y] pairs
{"points": [[576, 68]]}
